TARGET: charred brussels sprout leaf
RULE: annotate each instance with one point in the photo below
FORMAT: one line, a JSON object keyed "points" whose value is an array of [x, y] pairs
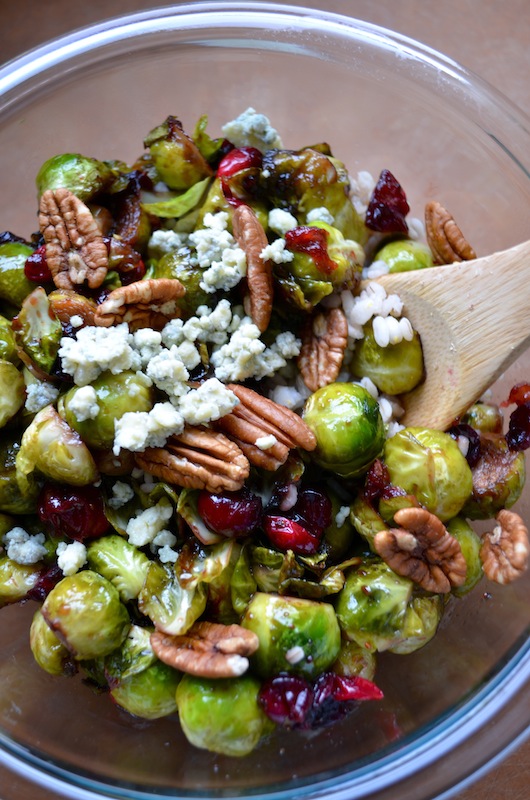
{"points": [[124, 565], [83, 176], [348, 427], [222, 715], [85, 612], [179, 205], [366, 520]]}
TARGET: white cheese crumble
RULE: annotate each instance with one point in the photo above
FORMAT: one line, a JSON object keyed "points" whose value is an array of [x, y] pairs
{"points": [[281, 221], [24, 548], [207, 326], [84, 403], [71, 557], [225, 274], [121, 494], [277, 252], [147, 343], [137, 430], [162, 545], [96, 350], [209, 402], [321, 214], [341, 516], [266, 442], [168, 372], [147, 524], [251, 129], [246, 356], [40, 394], [165, 241]]}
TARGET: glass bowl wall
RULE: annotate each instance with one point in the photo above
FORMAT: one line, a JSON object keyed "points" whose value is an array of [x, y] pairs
{"points": [[379, 100]]}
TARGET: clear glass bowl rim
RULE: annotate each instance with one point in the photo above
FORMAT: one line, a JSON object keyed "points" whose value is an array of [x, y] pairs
{"points": [[25, 74]]}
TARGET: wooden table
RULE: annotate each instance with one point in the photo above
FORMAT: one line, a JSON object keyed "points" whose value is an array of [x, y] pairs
{"points": [[489, 37]]}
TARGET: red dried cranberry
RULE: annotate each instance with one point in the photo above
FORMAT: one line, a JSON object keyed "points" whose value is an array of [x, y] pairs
{"points": [[355, 688], [231, 513], [335, 697], [287, 534], [313, 242], [388, 206], [314, 507], [469, 433], [238, 159], [286, 699], [48, 578], [377, 485], [235, 172], [36, 267], [519, 394], [77, 512], [518, 435]]}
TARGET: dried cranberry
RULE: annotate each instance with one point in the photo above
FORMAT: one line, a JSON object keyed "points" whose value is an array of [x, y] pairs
{"points": [[73, 511], [238, 159], [313, 242], [288, 534], [314, 507], [336, 696], [237, 172], [378, 486], [518, 435], [388, 206], [125, 260], [286, 699], [231, 513], [355, 688], [467, 432], [48, 578], [36, 268], [519, 394]]}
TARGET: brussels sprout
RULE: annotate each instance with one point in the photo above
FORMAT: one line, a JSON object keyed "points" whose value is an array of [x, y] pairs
{"points": [[498, 478], [149, 694], [372, 606], [366, 520], [175, 156], [403, 255], [470, 544], [50, 446], [395, 369], [340, 536], [348, 426], [120, 563], [8, 345], [85, 612], [331, 257], [242, 581], [48, 651], [115, 395], [429, 465], [168, 605], [82, 175], [420, 623], [355, 660], [484, 417], [38, 330], [173, 265], [179, 206], [16, 580], [133, 657], [295, 635], [389, 505], [12, 499], [302, 292], [14, 286], [12, 391], [222, 715]]}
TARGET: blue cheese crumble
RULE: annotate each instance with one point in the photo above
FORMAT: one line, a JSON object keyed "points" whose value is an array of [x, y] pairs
{"points": [[24, 548], [84, 403], [252, 129], [209, 402], [148, 524], [71, 557], [40, 394], [95, 350]]}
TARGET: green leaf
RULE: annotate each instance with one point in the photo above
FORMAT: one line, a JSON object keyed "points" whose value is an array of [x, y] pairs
{"points": [[180, 204]]}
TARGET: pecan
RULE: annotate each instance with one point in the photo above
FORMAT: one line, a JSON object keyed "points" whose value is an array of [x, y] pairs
{"points": [[142, 304], [75, 250], [255, 417], [197, 458], [208, 649], [447, 242], [324, 341], [423, 550], [250, 236], [504, 551]]}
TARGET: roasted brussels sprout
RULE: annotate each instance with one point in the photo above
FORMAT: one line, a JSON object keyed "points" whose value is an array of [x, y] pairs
{"points": [[16, 580], [402, 255], [366, 520], [484, 417], [168, 605], [498, 478], [8, 345], [222, 715], [48, 651], [421, 621], [85, 612], [429, 465], [38, 331], [82, 175], [355, 660], [92, 410], [149, 694], [14, 286], [12, 391], [470, 543], [12, 499], [395, 369], [173, 266], [348, 427], [295, 635], [124, 565], [175, 155]]}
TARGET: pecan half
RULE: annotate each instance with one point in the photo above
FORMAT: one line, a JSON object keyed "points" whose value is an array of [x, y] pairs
{"points": [[142, 304], [447, 242], [504, 551], [208, 649], [250, 236], [197, 458], [75, 250], [324, 341], [256, 417], [423, 550]]}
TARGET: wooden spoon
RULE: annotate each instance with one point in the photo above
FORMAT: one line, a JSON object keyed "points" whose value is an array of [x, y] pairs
{"points": [[473, 318]]}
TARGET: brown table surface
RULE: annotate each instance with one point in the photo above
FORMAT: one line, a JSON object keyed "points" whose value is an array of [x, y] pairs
{"points": [[489, 37]]}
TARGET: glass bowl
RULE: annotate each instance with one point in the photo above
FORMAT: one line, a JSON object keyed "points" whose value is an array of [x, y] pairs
{"points": [[380, 100]]}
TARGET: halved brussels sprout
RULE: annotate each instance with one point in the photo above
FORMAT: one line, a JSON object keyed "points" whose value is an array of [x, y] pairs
{"points": [[14, 286], [168, 605], [348, 427], [355, 660], [38, 330], [421, 622], [149, 694], [134, 656], [175, 155], [12, 499], [498, 478], [484, 417], [12, 391], [222, 715], [16, 580], [86, 614], [403, 255], [48, 651], [470, 543], [429, 465], [124, 565], [295, 635], [82, 175], [50, 446], [395, 369], [8, 345]]}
